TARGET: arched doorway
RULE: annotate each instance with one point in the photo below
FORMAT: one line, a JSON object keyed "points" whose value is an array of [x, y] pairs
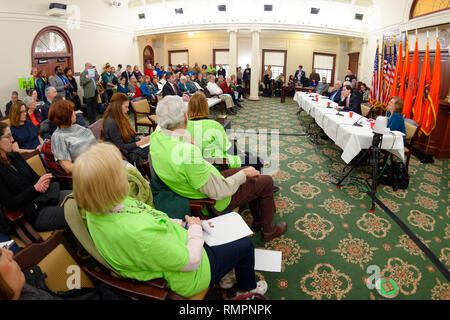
{"points": [[149, 56], [51, 47]]}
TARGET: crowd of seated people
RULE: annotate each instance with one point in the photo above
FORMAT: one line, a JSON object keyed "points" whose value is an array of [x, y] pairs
{"points": [[53, 116]]}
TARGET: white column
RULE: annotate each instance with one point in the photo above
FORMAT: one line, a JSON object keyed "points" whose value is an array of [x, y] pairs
{"points": [[233, 52], [363, 75], [255, 65]]}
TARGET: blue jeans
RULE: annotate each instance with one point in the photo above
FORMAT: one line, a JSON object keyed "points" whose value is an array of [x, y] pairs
{"points": [[240, 255]]}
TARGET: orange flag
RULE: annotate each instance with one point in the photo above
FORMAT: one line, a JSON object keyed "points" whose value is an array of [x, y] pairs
{"points": [[421, 102], [404, 79], [429, 121], [398, 73], [412, 83]]}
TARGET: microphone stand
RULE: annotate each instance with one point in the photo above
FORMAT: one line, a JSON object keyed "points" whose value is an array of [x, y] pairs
{"points": [[375, 152]]}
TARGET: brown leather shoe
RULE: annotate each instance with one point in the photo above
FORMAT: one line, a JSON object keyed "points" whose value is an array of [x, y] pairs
{"points": [[277, 230]]}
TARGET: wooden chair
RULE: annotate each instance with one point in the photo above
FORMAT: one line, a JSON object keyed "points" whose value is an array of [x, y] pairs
{"points": [[42, 167], [366, 110], [96, 129], [53, 256], [24, 232], [143, 115], [412, 130], [155, 289], [196, 205]]}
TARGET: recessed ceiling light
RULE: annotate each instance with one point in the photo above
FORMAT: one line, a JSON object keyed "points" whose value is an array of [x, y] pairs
{"points": [[315, 10], [178, 10], [190, 34], [222, 7], [268, 7], [141, 15], [359, 16]]}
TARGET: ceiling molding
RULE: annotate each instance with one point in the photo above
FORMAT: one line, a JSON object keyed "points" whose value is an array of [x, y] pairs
{"points": [[61, 22], [251, 26]]}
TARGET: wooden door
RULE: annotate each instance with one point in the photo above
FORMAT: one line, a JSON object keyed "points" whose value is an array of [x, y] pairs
{"points": [[149, 57], [353, 62], [49, 64]]}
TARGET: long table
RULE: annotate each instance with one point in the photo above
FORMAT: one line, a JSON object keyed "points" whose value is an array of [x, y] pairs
{"points": [[351, 139]]}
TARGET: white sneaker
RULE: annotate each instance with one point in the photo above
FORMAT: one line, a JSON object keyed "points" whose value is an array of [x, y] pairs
{"points": [[261, 288]]}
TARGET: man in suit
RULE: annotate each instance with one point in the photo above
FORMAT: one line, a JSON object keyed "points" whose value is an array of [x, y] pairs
{"points": [[300, 75], [335, 95], [59, 82], [51, 94], [14, 98], [128, 73], [351, 101], [90, 92], [171, 89], [322, 87]]}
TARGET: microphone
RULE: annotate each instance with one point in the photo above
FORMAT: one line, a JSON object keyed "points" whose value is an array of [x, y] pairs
{"points": [[356, 124], [339, 113]]}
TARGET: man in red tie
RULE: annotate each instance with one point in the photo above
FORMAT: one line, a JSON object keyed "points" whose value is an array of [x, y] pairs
{"points": [[351, 101]]}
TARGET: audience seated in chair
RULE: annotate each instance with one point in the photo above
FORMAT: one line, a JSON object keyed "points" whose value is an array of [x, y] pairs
{"points": [[142, 243], [23, 190], [215, 90], [350, 101], [118, 130], [25, 133], [213, 139], [189, 175], [69, 139]]}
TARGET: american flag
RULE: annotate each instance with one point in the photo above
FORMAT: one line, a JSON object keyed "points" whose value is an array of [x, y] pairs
{"points": [[374, 91], [382, 83], [389, 77]]}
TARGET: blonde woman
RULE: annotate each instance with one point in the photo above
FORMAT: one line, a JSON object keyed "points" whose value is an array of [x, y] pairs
{"points": [[143, 243]]}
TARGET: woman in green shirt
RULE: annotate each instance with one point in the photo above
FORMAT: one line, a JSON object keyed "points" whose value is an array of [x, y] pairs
{"points": [[212, 136], [144, 244]]}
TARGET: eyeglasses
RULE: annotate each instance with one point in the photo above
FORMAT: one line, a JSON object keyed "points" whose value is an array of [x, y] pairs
{"points": [[9, 136]]}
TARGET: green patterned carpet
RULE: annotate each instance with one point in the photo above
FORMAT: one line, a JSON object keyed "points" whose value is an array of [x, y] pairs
{"points": [[332, 237]]}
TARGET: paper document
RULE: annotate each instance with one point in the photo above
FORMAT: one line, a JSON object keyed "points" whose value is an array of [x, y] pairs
{"points": [[268, 260], [144, 145], [226, 228], [7, 244]]}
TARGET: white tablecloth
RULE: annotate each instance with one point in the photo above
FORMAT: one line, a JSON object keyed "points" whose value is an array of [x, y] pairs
{"points": [[211, 102], [340, 129]]}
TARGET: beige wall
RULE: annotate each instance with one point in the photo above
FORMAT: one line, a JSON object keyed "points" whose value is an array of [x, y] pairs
{"points": [[97, 40], [299, 49]]}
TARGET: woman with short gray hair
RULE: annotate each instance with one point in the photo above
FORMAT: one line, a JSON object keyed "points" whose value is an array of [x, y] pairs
{"points": [[179, 163], [33, 114]]}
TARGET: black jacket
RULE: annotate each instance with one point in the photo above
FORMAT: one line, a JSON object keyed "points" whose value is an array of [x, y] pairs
{"points": [[17, 192], [354, 103], [169, 91]]}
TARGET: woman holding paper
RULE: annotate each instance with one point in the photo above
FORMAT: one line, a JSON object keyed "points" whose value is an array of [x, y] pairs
{"points": [[144, 244], [118, 130]]}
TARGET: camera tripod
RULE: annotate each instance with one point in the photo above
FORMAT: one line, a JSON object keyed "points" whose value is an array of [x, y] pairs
{"points": [[375, 148]]}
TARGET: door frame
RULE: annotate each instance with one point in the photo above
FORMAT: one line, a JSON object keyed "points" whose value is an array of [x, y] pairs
{"points": [[146, 57], [52, 55]]}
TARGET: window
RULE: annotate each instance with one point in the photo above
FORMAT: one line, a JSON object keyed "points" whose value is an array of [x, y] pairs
{"points": [[276, 59], [50, 42], [177, 57], [222, 56], [325, 65], [424, 7]]}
